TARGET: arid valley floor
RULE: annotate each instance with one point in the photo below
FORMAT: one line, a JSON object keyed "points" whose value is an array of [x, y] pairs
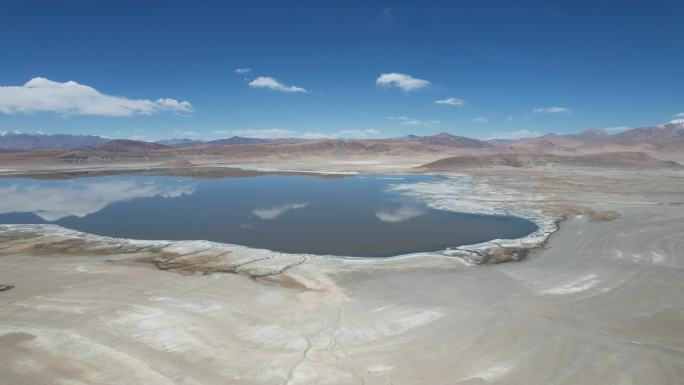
{"points": [[599, 302]]}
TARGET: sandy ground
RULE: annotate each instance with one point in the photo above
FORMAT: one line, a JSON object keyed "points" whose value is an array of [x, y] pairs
{"points": [[600, 304]]}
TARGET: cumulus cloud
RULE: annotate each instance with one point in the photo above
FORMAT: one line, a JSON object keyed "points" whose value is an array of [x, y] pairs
{"points": [[243, 71], [450, 102], [515, 135], [406, 121], [71, 98], [273, 84], [405, 82], [173, 105], [401, 214], [276, 211], [552, 110], [62, 199], [481, 119]]}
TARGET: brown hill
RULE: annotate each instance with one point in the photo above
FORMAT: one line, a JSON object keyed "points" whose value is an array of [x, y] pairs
{"points": [[442, 143], [591, 136], [550, 142], [654, 134], [446, 139], [607, 159], [665, 136], [124, 145]]}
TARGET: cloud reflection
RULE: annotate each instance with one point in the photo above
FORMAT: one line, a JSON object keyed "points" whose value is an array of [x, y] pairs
{"points": [[401, 214], [276, 211], [58, 200]]}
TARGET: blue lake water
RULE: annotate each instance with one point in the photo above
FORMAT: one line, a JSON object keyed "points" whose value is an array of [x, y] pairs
{"points": [[350, 216]]}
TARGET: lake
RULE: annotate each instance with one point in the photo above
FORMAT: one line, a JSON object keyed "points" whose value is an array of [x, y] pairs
{"points": [[353, 216]]}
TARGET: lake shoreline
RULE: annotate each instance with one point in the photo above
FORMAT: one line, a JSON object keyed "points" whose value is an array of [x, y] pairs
{"points": [[608, 278], [439, 194]]}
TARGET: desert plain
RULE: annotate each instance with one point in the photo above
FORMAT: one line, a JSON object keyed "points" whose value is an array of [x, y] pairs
{"points": [[595, 297]]}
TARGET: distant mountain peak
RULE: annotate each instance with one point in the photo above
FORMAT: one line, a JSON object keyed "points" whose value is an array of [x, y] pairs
{"points": [[591, 135], [593, 131], [178, 142], [10, 132], [239, 140], [39, 141], [125, 145], [447, 139]]}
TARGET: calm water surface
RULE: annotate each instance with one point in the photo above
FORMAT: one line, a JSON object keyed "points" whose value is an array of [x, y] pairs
{"points": [[353, 216]]}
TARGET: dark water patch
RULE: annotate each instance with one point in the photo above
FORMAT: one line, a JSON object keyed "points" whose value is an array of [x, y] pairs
{"points": [[354, 216]]}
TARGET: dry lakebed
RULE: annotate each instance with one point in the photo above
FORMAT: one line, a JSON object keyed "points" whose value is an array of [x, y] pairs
{"points": [[590, 292]]}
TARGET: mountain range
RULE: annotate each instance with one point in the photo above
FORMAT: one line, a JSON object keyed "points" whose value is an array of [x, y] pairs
{"points": [[666, 136], [670, 135], [21, 141]]}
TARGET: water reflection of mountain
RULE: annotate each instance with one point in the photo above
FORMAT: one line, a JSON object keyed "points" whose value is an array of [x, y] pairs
{"points": [[56, 200]]}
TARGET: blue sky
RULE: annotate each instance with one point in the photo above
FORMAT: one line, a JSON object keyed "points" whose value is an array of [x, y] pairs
{"points": [[162, 69]]}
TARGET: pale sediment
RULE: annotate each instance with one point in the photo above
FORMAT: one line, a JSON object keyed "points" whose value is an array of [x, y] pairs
{"points": [[600, 303], [461, 193]]}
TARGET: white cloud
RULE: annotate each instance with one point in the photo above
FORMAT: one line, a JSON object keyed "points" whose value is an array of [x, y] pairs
{"points": [[406, 121], [403, 81], [510, 118], [403, 213], [174, 105], [520, 134], [276, 211], [243, 71], [450, 102], [552, 110], [481, 119], [71, 98], [679, 115], [275, 85]]}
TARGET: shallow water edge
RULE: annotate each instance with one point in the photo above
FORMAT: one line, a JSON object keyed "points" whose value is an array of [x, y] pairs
{"points": [[452, 193]]}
